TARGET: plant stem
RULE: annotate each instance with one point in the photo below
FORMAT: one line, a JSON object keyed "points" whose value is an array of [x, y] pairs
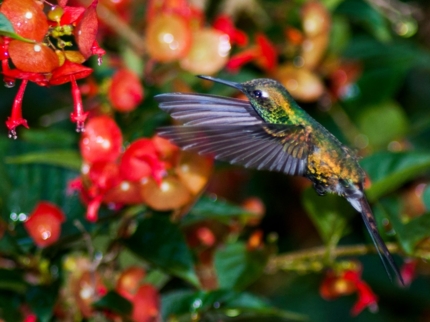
{"points": [[313, 259]]}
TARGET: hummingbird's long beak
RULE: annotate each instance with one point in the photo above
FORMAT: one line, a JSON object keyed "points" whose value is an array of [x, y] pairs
{"points": [[221, 81]]}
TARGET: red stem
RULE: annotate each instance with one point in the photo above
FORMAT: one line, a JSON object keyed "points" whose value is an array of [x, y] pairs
{"points": [[16, 116], [78, 115]]}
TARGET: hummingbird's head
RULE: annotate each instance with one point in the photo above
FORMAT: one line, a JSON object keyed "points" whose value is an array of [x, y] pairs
{"points": [[268, 97]]}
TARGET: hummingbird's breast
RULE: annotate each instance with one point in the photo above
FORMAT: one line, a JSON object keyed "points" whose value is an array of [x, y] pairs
{"points": [[331, 165]]}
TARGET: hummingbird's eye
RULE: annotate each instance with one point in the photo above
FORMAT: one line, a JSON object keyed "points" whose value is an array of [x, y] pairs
{"points": [[257, 94]]}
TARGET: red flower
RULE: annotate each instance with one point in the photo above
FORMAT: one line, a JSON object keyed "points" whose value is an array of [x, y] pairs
{"points": [[224, 24], [36, 58], [346, 282], [16, 117], [141, 160], [70, 72], [264, 54], [408, 271]]}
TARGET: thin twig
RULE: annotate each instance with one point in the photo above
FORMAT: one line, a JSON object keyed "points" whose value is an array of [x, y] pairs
{"points": [[313, 259]]}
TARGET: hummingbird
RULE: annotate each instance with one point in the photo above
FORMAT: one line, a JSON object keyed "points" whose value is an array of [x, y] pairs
{"points": [[270, 131]]}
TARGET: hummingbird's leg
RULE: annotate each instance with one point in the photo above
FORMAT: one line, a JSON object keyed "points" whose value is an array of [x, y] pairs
{"points": [[320, 188]]}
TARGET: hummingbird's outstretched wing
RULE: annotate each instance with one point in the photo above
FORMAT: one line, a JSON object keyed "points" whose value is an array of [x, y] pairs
{"points": [[230, 130]]}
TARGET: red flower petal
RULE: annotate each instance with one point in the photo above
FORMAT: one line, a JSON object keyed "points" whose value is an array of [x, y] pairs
{"points": [[366, 299], [38, 78], [71, 15], [27, 18], [62, 3], [268, 56], [62, 74], [36, 58], [240, 59], [86, 30], [224, 24], [408, 271]]}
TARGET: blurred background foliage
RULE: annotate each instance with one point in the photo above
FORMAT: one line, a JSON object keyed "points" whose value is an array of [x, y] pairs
{"points": [[360, 67]]}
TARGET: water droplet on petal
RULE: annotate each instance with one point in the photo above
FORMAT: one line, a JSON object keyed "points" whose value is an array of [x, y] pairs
{"points": [[80, 127], [9, 83], [12, 134]]}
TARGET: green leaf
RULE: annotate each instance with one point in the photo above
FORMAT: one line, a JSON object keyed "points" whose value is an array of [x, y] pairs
{"points": [[114, 302], [10, 306], [383, 63], [237, 267], [50, 137], [220, 305], [6, 29], [329, 213], [382, 123], [426, 197], [161, 243], [68, 159], [42, 300], [362, 13], [409, 234], [220, 210], [388, 170], [12, 280], [340, 35]]}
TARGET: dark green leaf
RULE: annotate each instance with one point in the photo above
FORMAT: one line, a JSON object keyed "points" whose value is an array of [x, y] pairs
{"points": [[223, 305], [237, 267], [176, 303], [68, 159], [220, 210], [362, 13], [42, 300], [409, 234], [12, 280], [10, 307], [6, 29], [388, 170], [426, 197], [114, 302], [161, 243], [383, 63], [50, 137], [329, 213]]}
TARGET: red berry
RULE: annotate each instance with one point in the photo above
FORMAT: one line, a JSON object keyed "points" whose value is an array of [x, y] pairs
{"points": [[126, 91], [146, 304], [168, 37], [129, 281], [102, 140], [194, 171], [209, 52], [170, 194], [44, 224], [125, 193], [55, 13]]}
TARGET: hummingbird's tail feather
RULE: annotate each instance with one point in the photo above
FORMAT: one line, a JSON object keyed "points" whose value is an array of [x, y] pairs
{"points": [[363, 207]]}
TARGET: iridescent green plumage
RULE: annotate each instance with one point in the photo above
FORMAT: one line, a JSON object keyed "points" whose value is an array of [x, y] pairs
{"points": [[270, 131]]}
